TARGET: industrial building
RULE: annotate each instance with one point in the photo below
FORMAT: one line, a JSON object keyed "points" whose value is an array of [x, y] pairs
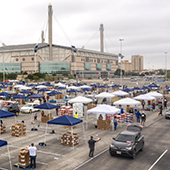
{"points": [[51, 58]]}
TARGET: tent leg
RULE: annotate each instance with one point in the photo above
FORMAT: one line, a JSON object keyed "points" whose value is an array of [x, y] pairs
{"points": [[86, 116], [15, 119], [72, 136], [45, 134], [9, 157], [84, 133]]}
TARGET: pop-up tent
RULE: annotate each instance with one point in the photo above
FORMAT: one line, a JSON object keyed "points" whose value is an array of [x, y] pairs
{"points": [[127, 101], [19, 96], [5, 114], [5, 94], [120, 93], [144, 97], [37, 96], [155, 94], [65, 121], [5, 143], [26, 92]]}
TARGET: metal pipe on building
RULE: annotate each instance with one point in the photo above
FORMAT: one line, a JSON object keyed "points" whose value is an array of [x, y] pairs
{"points": [[50, 13], [101, 38]]}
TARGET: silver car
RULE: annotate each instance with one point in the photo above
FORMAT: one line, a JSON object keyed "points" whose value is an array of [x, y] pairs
{"points": [[167, 114]]}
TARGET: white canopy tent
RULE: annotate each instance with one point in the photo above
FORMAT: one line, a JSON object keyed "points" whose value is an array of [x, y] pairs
{"points": [[127, 101], [41, 86], [60, 85], [104, 95], [155, 94], [104, 109], [18, 86], [73, 87], [120, 93], [85, 86], [25, 88], [144, 97], [84, 100]]}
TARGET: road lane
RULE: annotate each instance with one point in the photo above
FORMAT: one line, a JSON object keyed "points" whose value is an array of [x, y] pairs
{"points": [[157, 140]]}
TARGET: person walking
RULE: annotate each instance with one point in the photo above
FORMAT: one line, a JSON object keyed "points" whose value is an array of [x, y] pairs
{"points": [[91, 143], [143, 118], [160, 112], [33, 153], [35, 116], [135, 109], [138, 114], [115, 121]]}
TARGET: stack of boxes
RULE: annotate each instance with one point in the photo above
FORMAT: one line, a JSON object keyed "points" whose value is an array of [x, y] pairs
{"points": [[46, 118], [59, 96], [103, 124], [2, 129], [69, 139], [65, 110], [23, 158], [18, 129], [90, 106]]}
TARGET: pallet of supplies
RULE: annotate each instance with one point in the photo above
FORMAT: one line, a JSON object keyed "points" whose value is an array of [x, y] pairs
{"points": [[18, 129], [23, 158], [2, 129], [69, 139], [103, 124]]}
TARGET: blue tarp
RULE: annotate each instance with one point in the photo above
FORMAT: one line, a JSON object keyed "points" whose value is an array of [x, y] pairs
{"points": [[3, 143], [65, 120], [5, 94], [5, 114], [37, 96], [19, 97], [54, 93], [26, 92], [46, 106]]}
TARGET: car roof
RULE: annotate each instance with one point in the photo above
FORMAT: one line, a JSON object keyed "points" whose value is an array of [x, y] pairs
{"points": [[126, 132]]}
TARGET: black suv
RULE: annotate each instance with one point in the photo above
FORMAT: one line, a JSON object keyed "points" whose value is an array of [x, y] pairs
{"points": [[128, 142], [13, 108]]}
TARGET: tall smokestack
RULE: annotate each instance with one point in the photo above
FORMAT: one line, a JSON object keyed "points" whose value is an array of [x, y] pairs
{"points": [[42, 37], [50, 13], [101, 38]]}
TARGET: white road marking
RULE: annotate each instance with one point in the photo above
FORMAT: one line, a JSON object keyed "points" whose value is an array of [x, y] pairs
{"points": [[158, 159], [91, 159]]}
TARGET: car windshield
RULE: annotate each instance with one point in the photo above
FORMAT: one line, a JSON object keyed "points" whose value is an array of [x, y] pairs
{"points": [[5, 108], [124, 138], [28, 105]]}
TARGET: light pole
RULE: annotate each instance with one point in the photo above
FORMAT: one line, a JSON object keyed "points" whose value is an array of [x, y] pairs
{"points": [[121, 57], [165, 65]]}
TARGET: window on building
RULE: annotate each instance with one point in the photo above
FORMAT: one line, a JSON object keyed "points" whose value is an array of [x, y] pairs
{"points": [[73, 58], [23, 59], [87, 59], [108, 61], [32, 58], [98, 60], [16, 59]]}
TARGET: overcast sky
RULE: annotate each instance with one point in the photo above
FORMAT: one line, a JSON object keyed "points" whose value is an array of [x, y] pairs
{"points": [[143, 24]]}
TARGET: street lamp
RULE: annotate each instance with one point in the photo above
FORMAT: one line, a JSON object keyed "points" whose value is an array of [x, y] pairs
{"points": [[165, 65], [121, 57]]}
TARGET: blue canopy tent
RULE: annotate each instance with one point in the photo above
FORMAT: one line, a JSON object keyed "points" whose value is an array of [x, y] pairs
{"points": [[127, 90], [137, 88], [146, 87], [5, 94], [3, 87], [73, 91], [65, 121], [46, 106], [31, 84], [26, 92], [2, 144], [102, 87], [153, 85], [54, 93], [86, 89], [37, 96], [49, 85], [19, 96], [61, 88], [43, 90], [5, 114], [94, 85]]}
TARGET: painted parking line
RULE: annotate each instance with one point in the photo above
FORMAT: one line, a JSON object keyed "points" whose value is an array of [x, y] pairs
{"points": [[158, 159], [91, 159]]}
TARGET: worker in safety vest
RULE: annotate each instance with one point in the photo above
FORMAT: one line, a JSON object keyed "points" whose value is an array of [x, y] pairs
{"points": [[76, 115]]}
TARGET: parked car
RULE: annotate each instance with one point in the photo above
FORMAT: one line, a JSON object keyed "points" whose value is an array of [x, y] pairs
{"points": [[13, 108], [167, 114], [29, 108], [128, 142]]}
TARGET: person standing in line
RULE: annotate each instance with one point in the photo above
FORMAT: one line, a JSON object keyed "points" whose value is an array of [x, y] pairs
{"points": [[47, 98], [33, 153], [91, 143], [143, 118], [138, 114], [135, 109], [143, 104], [153, 105], [165, 103], [115, 121]]}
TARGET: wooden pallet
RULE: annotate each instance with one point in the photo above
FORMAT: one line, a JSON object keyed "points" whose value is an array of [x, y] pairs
{"points": [[18, 136], [19, 167]]}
